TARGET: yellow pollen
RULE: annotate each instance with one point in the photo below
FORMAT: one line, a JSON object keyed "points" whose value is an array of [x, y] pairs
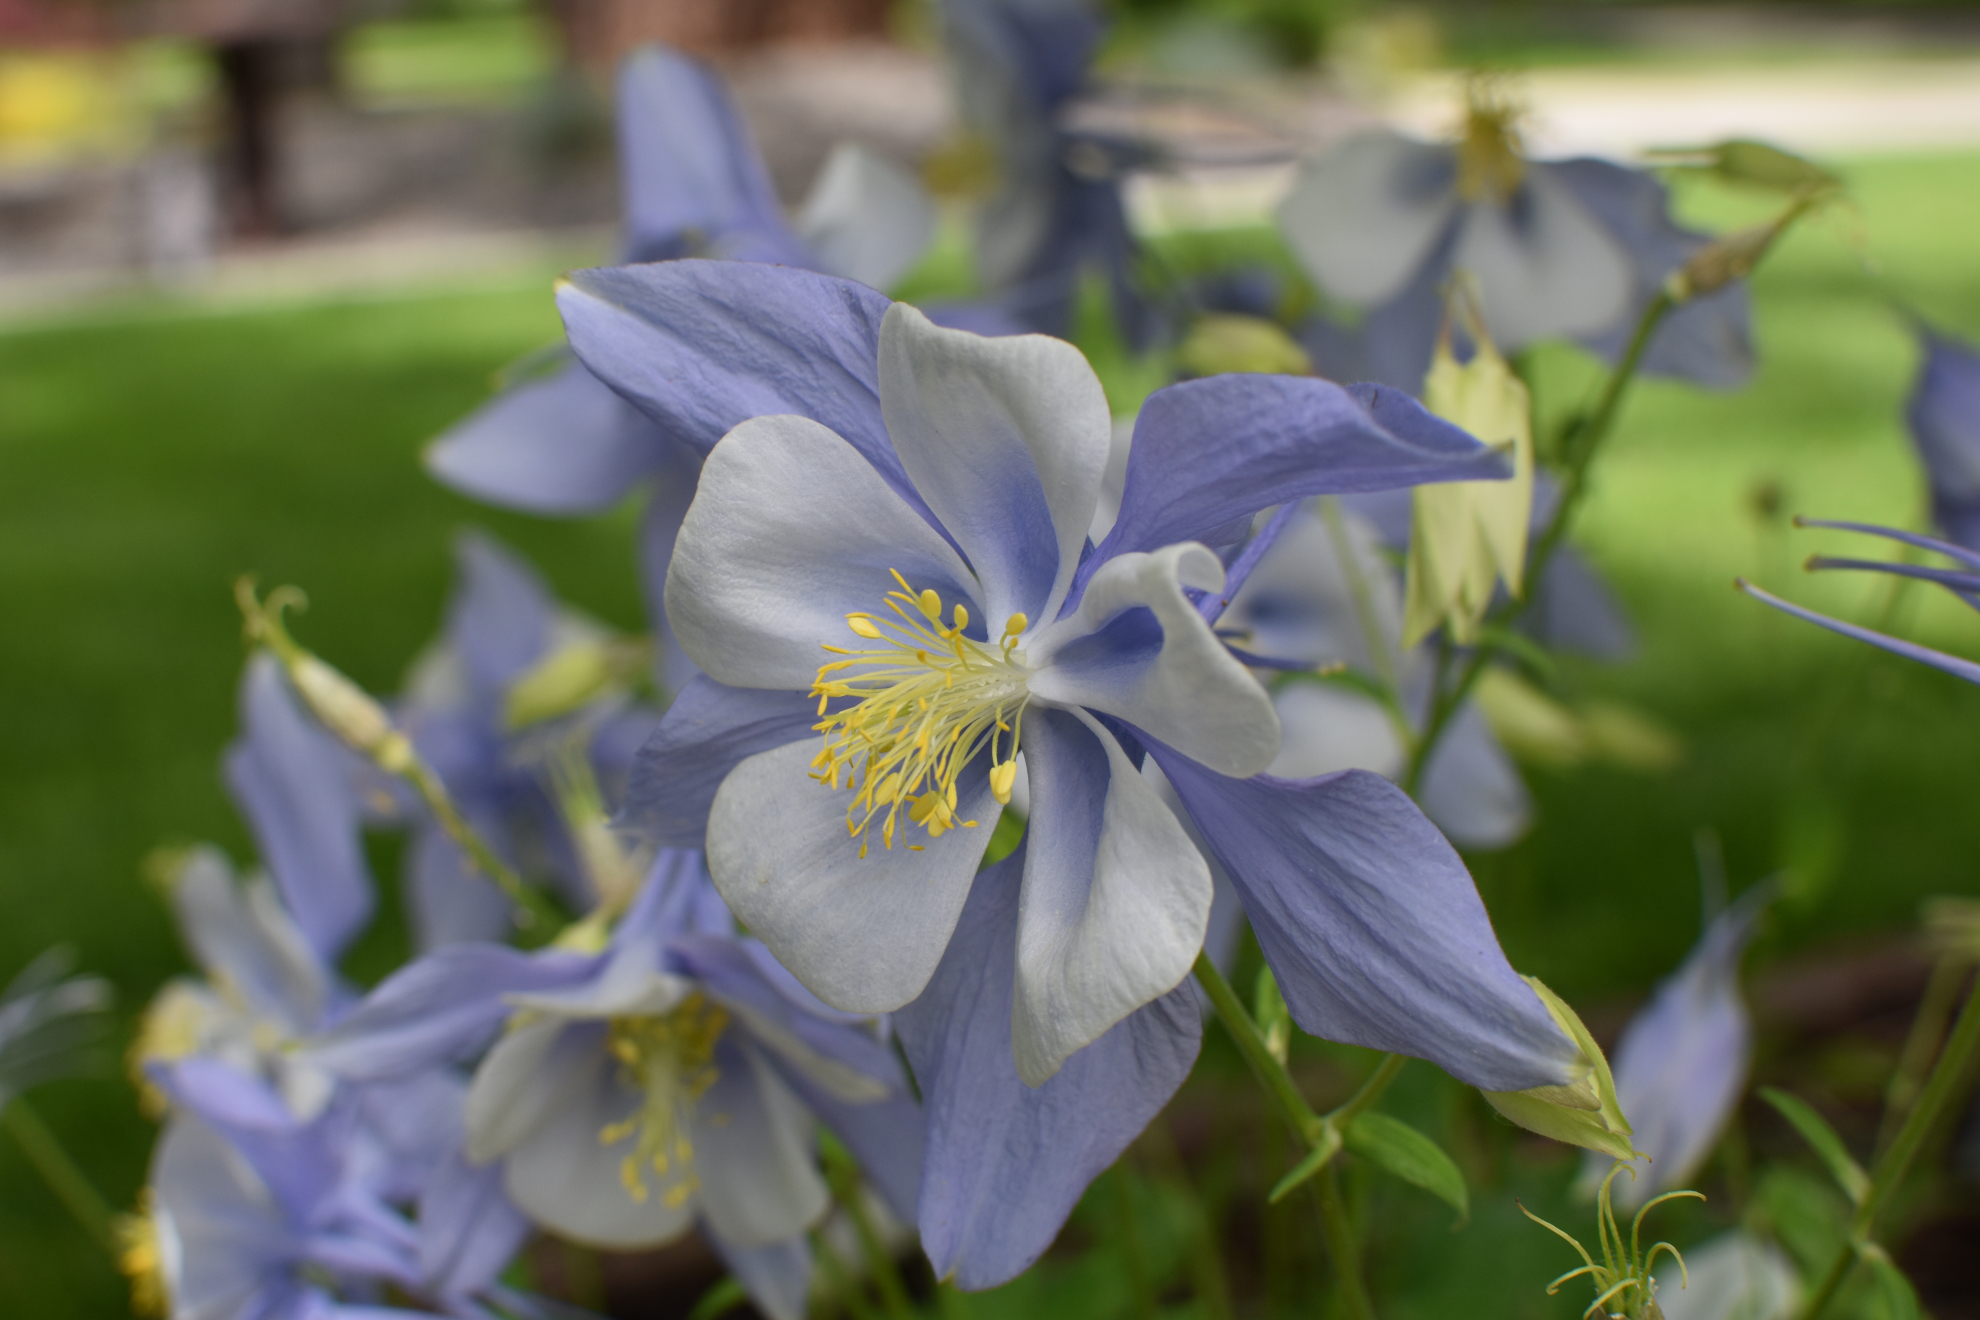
{"points": [[914, 711], [141, 1260], [1490, 163], [669, 1059]]}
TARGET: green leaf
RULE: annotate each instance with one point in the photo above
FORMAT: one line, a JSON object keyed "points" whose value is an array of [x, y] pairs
{"points": [[1274, 1018], [1900, 1298], [1815, 1130], [1395, 1147], [1316, 1160], [724, 1297]]}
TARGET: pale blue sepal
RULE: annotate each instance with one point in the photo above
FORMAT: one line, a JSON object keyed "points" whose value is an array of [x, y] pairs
{"points": [[709, 730], [1006, 1162], [1372, 924]]}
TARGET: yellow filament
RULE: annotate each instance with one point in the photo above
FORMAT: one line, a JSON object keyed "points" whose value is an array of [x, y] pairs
{"points": [[1490, 163], [926, 701], [669, 1059]]}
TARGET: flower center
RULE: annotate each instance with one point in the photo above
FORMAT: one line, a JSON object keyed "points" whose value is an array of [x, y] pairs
{"points": [[669, 1059], [1490, 165], [928, 699]]}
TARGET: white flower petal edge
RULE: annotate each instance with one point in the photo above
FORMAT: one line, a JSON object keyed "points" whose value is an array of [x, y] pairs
{"points": [[1115, 897], [752, 1142], [1557, 273], [863, 934], [1007, 440], [1175, 680], [790, 531], [564, 1176], [1359, 219], [532, 1073]]}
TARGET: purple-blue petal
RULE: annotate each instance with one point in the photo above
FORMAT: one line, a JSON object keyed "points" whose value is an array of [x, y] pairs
{"points": [[1371, 923], [1708, 340], [498, 620], [709, 730], [689, 169], [699, 346], [1944, 416], [1210, 453], [556, 444], [469, 1230], [1006, 1162], [443, 1007], [297, 785]]}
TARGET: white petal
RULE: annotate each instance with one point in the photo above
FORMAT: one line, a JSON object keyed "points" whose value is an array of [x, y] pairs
{"points": [[532, 1074], [567, 1179], [1329, 728], [1363, 217], [1546, 267], [1136, 648], [867, 218], [1007, 440], [1115, 899], [752, 1148], [863, 934], [790, 531]]}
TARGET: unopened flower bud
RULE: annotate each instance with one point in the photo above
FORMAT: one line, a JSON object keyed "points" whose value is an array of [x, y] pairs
{"points": [[1225, 342], [571, 678], [1732, 256], [1754, 164], [1584, 1112], [1952, 927]]}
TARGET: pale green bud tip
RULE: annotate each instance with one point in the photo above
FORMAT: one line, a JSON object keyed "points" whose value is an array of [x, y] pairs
{"points": [[1753, 164], [571, 678], [1952, 927], [1583, 1112], [348, 711], [1223, 343]]}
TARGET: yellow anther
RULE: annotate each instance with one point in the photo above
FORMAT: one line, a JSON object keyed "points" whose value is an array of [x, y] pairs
{"points": [[1015, 625], [931, 604], [1002, 779], [962, 618], [669, 1059], [865, 627]]}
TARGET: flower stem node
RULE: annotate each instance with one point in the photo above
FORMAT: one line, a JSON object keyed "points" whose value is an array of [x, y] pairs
{"points": [[1585, 1112]]}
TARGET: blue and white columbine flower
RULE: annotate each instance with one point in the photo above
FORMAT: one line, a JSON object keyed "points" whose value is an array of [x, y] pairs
{"points": [[886, 565], [48, 1020], [1682, 1062], [673, 1078], [1572, 249], [1944, 413], [1057, 211]]}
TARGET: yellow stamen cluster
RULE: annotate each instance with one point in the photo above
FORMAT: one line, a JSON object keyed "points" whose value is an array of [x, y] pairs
{"points": [[1490, 163], [670, 1059], [929, 699], [142, 1260]]}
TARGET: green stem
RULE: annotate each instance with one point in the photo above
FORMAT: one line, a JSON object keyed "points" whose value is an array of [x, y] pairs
{"points": [[530, 904], [843, 1175], [1344, 1245], [1921, 1044], [71, 1187], [1307, 1126], [1580, 450], [1940, 1087], [844, 1287], [1369, 1092]]}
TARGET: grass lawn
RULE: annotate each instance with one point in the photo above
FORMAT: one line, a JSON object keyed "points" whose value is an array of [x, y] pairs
{"points": [[149, 456]]}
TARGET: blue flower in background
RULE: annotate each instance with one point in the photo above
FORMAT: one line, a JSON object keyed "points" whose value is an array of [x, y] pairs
{"points": [[1682, 1062], [1572, 249], [254, 1211], [669, 1080], [1963, 582], [863, 443], [1057, 210], [1944, 413], [1298, 608], [503, 627]]}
